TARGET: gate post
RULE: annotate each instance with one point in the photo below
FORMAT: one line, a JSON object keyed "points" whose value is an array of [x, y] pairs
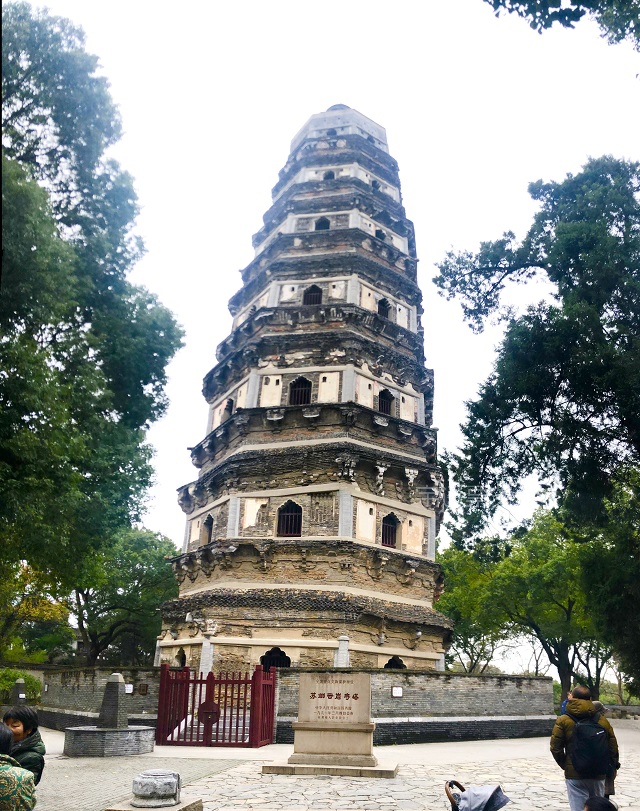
{"points": [[163, 695], [255, 717], [207, 719]]}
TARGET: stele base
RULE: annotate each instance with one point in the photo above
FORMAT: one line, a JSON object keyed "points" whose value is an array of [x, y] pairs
{"points": [[186, 804]]}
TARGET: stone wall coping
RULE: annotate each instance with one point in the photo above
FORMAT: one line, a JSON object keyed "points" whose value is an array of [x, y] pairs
{"points": [[65, 711], [401, 674], [436, 719], [53, 668]]}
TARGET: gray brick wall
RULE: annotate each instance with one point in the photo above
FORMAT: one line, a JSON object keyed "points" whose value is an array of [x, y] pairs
{"points": [[81, 690], [441, 707], [429, 694], [108, 742]]}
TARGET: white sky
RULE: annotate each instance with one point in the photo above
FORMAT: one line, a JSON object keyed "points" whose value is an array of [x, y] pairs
{"points": [[212, 93]]}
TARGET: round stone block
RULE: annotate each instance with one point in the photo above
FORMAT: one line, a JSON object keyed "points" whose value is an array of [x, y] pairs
{"points": [[157, 788]]}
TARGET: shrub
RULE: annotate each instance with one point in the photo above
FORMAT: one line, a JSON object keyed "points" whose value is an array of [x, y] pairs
{"points": [[8, 678]]}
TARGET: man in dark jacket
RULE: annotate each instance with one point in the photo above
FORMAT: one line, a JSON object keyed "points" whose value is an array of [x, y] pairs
{"points": [[28, 747], [580, 787]]}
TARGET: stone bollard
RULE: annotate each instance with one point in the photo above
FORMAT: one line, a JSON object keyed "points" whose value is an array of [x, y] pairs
{"points": [[158, 788], [18, 693]]}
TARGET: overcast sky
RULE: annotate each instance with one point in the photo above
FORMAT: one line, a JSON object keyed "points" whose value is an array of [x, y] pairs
{"points": [[212, 93]]}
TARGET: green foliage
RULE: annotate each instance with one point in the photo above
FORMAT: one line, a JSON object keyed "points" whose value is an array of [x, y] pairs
{"points": [[117, 598], [612, 575], [531, 587], [8, 678], [564, 399], [612, 693], [618, 19], [83, 353], [26, 600], [539, 588], [58, 117], [479, 629], [70, 470]]}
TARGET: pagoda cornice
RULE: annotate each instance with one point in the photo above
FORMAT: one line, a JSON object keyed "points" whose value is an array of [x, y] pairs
{"points": [[328, 421], [354, 349], [344, 242], [340, 188], [318, 266], [322, 603], [348, 200], [274, 320], [329, 158], [341, 149], [330, 463]]}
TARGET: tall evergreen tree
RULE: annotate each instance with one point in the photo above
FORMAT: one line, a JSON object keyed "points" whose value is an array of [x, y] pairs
{"points": [[83, 352], [564, 399]]}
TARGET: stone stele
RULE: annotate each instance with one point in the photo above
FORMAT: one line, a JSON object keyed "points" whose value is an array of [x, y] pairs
{"points": [[334, 724]]}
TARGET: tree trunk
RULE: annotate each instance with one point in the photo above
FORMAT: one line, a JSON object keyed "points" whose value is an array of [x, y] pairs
{"points": [[565, 681]]}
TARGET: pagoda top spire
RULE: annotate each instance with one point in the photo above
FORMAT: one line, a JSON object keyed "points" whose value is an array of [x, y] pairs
{"points": [[338, 120]]}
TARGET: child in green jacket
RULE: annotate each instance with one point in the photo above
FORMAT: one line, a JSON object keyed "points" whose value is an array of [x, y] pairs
{"points": [[28, 748]]}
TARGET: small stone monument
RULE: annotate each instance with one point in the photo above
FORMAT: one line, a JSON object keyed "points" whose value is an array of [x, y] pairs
{"points": [[112, 736], [158, 788], [334, 731], [113, 712], [18, 693]]}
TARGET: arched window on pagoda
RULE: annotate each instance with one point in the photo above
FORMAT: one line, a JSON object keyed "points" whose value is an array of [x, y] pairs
{"points": [[290, 520], [228, 410], [329, 175], [206, 531], [300, 391], [275, 658], [384, 308], [395, 663], [385, 402], [312, 295], [322, 224], [380, 234], [390, 526]]}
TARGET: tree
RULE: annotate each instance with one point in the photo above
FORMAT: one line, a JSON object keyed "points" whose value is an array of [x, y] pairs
{"points": [[539, 588], [612, 575], [57, 115], [83, 353], [618, 19], [480, 628], [26, 600], [563, 401], [71, 469], [116, 600]]}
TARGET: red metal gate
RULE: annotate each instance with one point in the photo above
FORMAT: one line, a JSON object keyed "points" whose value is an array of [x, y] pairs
{"points": [[224, 710]]}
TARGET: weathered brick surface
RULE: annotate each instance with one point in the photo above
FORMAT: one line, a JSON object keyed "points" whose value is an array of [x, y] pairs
{"points": [[80, 742], [441, 707], [53, 718], [452, 729], [82, 689], [432, 694]]}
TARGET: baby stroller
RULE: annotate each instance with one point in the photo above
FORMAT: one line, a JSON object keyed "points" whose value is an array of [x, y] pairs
{"points": [[474, 798]]}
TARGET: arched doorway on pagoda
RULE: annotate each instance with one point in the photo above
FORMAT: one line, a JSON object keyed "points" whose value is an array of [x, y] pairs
{"points": [[275, 657]]}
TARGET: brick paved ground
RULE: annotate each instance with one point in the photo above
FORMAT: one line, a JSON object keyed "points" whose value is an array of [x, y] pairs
{"points": [[91, 784], [230, 780], [532, 784]]}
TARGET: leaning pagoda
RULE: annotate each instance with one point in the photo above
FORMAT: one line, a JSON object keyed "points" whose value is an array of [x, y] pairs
{"points": [[311, 526]]}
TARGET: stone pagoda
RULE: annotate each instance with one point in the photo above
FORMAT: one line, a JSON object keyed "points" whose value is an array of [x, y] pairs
{"points": [[311, 527]]}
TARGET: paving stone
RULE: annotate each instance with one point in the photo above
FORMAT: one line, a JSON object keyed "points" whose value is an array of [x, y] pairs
{"points": [[533, 784]]}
